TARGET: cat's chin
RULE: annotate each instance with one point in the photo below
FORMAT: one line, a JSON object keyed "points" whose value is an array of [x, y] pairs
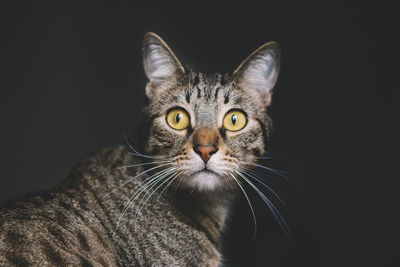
{"points": [[205, 180]]}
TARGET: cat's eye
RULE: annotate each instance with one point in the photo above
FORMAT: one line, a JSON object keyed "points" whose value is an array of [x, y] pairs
{"points": [[178, 119], [234, 120]]}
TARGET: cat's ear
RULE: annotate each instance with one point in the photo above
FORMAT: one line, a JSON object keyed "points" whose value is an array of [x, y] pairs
{"points": [[258, 73], [160, 63]]}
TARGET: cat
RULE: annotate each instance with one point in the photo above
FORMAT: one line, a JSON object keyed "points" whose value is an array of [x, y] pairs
{"points": [[161, 200]]}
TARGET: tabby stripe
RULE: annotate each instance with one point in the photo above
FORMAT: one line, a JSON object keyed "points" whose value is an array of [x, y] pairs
{"points": [[122, 254], [57, 234], [147, 127], [164, 245], [226, 97], [137, 242], [17, 259], [264, 132], [51, 254], [99, 202], [83, 242], [222, 81], [102, 261], [216, 92], [196, 80], [99, 235], [188, 94]]}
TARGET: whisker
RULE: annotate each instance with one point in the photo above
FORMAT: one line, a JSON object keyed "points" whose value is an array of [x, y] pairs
{"points": [[144, 203], [271, 207], [179, 183], [229, 181], [142, 164], [256, 173], [266, 186], [150, 180], [138, 153], [280, 173], [146, 156], [150, 186], [176, 176], [264, 157], [154, 178], [123, 184], [251, 207]]}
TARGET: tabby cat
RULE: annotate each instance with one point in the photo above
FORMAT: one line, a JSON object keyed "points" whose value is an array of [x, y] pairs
{"points": [[161, 200]]}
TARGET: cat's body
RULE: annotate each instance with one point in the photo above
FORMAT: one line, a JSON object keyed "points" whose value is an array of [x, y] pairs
{"points": [[74, 225], [165, 205]]}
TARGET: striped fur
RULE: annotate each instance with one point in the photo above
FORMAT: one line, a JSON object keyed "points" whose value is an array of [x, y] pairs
{"points": [[74, 226]]}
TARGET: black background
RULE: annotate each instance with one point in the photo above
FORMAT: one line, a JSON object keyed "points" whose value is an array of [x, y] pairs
{"points": [[71, 82]]}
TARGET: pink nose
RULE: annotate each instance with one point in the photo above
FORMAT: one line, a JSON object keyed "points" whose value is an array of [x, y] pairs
{"points": [[205, 151]]}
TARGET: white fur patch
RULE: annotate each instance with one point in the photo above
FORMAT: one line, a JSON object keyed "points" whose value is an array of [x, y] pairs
{"points": [[260, 76], [158, 64], [205, 181]]}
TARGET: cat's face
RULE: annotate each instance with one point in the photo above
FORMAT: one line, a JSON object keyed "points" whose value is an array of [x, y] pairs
{"points": [[210, 127]]}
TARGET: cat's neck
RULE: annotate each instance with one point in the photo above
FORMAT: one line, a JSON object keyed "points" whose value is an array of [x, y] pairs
{"points": [[209, 209]]}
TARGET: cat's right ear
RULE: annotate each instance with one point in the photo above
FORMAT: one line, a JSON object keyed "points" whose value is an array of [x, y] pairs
{"points": [[160, 63], [258, 72]]}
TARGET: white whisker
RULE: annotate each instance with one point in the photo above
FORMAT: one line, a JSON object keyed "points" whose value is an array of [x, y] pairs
{"points": [[248, 201], [123, 184], [144, 203], [176, 176], [146, 156], [264, 157], [271, 206], [261, 182], [153, 181], [280, 173], [142, 164], [150, 180], [136, 153]]}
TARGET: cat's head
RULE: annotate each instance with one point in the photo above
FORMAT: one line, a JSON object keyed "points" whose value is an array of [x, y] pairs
{"points": [[207, 127]]}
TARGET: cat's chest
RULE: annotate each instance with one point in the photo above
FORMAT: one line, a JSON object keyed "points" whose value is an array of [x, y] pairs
{"points": [[158, 233]]}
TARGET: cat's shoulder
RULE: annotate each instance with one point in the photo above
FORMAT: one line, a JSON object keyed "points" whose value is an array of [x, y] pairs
{"points": [[109, 155], [105, 164], [107, 158]]}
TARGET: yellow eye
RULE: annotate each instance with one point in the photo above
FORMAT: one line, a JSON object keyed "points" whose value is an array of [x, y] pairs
{"points": [[234, 120], [178, 119]]}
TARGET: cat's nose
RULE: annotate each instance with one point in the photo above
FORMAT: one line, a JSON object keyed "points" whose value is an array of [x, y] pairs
{"points": [[205, 143], [205, 151]]}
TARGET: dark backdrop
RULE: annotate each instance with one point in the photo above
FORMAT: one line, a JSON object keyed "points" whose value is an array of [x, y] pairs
{"points": [[71, 82]]}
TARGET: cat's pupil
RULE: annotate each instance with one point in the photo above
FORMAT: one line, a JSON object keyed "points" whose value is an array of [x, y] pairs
{"points": [[178, 117], [233, 119]]}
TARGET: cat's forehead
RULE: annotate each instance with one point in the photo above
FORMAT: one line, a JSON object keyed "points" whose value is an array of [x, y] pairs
{"points": [[200, 94], [203, 87], [204, 95], [207, 91]]}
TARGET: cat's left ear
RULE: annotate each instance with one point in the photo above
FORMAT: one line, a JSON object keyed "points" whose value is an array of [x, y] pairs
{"points": [[258, 73], [160, 63]]}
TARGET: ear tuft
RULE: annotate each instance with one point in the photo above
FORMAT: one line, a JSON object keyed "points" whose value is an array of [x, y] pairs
{"points": [[258, 73], [159, 61]]}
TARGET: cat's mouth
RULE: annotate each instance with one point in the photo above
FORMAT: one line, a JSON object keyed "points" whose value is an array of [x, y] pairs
{"points": [[206, 170], [205, 179]]}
